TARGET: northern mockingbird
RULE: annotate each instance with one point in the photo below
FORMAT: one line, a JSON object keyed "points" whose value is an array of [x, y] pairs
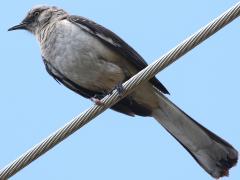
{"points": [[91, 60]]}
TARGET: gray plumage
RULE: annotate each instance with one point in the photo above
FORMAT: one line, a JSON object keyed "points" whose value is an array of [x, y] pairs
{"points": [[91, 60]]}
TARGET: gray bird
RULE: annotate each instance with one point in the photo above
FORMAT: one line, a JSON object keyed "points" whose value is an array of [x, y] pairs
{"points": [[91, 60]]}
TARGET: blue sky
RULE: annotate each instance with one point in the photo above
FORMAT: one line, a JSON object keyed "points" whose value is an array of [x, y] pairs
{"points": [[204, 83]]}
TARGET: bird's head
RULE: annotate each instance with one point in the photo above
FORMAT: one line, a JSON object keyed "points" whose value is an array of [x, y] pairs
{"points": [[38, 17]]}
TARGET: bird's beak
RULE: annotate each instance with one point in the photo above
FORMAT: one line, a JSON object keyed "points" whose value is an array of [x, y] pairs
{"points": [[19, 26]]}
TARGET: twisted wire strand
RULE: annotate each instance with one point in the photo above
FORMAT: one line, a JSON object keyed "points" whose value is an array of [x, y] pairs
{"points": [[146, 74]]}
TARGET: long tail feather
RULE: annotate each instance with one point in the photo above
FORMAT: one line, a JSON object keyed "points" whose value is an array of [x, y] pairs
{"points": [[213, 153]]}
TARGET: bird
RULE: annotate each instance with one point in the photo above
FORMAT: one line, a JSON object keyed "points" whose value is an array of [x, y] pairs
{"points": [[91, 60]]}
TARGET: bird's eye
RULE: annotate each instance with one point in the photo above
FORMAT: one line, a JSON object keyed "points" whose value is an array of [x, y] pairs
{"points": [[36, 13]]}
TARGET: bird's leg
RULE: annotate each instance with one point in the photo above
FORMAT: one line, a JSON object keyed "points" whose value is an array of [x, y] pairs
{"points": [[97, 99]]}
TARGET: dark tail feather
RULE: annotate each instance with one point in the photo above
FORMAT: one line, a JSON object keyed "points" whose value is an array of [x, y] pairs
{"points": [[213, 153]]}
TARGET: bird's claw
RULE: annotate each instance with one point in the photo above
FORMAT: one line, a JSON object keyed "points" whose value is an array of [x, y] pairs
{"points": [[96, 101], [119, 88]]}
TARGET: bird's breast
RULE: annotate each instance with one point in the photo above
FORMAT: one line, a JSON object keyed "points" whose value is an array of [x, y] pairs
{"points": [[82, 58]]}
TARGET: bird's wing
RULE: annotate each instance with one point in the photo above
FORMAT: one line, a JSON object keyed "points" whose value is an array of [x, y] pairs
{"points": [[115, 42]]}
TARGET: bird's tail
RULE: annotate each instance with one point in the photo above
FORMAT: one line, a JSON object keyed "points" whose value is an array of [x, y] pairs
{"points": [[213, 153]]}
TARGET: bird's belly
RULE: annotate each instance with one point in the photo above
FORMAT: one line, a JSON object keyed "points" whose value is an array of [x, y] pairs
{"points": [[94, 74]]}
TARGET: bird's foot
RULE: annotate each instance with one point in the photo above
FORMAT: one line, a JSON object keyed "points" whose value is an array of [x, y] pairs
{"points": [[97, 98], [119, 88], [96, 101]]}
